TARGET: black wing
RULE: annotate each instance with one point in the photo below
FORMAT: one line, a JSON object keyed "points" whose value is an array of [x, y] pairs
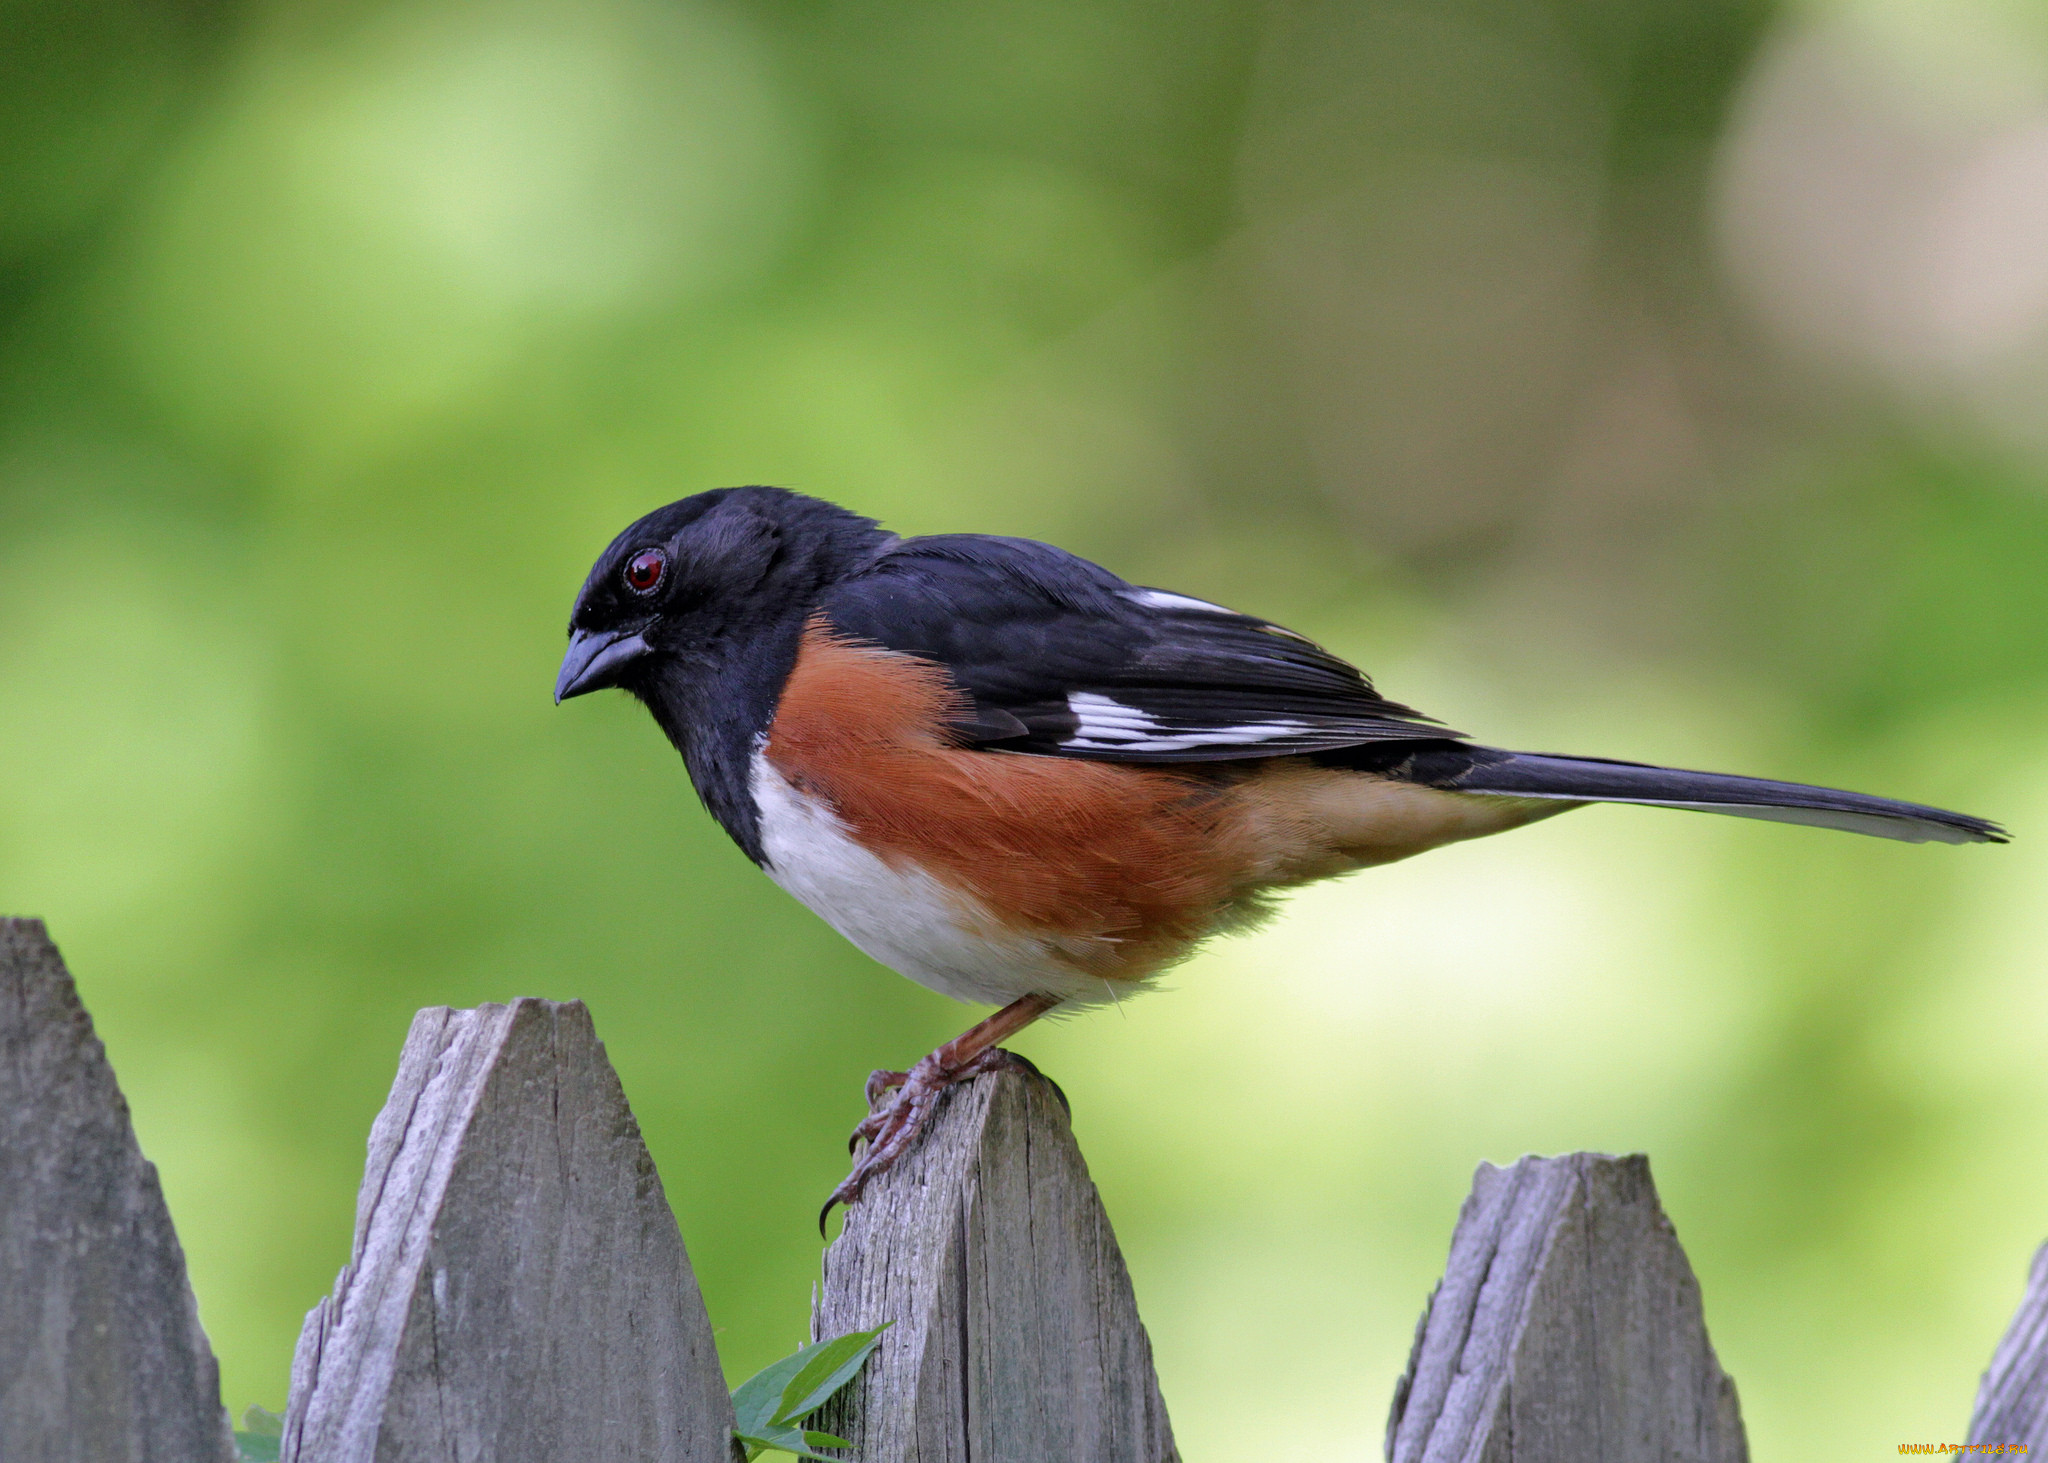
{"points": [[1062, 657]]}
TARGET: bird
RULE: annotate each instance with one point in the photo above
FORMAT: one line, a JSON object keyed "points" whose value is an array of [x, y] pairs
{"points": [[1022, 781]]}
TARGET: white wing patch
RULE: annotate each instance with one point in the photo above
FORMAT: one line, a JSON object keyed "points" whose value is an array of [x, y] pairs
{"points": [[1111, 726], [1106, 722], [1159, 599]]}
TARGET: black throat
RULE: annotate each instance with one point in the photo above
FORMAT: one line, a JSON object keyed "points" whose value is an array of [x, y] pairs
{"points": [[717, 711], [718, 668]]}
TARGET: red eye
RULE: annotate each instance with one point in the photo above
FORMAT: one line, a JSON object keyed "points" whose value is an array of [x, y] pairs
{"points": [[644, 571]]}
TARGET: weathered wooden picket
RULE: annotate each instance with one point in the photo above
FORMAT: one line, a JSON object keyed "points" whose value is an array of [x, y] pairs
{"points": [[517, 1291]]}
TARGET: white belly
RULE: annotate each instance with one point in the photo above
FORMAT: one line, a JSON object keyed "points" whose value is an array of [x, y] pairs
{"points": [[939, 936]]}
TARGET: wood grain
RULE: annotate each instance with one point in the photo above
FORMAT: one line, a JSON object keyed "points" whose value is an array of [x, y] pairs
{"points": [[2012, 1399], [1017, 1339], [1567, 1329], [101, 1355], [517, 1291]]}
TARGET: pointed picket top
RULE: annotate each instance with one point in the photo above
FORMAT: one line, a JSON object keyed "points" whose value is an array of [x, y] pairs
{"points": [[1567, 1329], [101, 1356], [1016, 1336], [517, 1290], [2012, 1399]]}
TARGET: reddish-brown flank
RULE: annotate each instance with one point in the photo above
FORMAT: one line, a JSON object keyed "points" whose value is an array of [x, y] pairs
{"points": [[1089, 851], [1134, 863]]}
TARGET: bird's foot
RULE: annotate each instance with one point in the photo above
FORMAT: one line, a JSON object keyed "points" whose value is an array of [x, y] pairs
{"points": [[894, 1123], [879, 1083]]}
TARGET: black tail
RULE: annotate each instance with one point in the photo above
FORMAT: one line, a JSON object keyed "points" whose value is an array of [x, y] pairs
{"points": [[1460, 768]]}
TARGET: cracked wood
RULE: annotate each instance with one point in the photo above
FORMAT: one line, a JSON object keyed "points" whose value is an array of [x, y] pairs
{"points": [[1567, 1329], [517, 1291], [1017, 1337], [101, 1355]]}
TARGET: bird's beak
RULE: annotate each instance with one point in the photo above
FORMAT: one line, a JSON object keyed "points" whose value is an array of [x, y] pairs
{"points": [[595, 659]]}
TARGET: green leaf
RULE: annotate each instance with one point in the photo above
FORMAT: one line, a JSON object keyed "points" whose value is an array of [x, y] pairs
{"points": [[259, 1437], [831, 1366], [767, 1405], [756, 1400], [786, 1440]]}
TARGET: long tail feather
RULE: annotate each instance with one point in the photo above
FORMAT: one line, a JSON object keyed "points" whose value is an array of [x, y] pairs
{"points": [[1470, 769]]}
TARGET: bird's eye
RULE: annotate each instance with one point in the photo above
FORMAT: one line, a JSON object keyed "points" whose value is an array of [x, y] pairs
{"points": [[644, 571]]}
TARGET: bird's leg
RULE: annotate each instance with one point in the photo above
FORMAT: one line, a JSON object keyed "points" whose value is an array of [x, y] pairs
{"points": [[890, 1130], [949, 1064]]}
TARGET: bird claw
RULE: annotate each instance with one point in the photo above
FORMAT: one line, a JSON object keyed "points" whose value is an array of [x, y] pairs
{"points": [[881, 1080], [879, 1083], [890, 1130]]}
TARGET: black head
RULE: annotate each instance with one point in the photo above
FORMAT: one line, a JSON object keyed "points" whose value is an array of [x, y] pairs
{"points": [[698, 610], [690, 585]]}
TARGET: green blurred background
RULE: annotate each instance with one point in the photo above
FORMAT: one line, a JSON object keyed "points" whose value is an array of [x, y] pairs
{"points": [[1661, 381]]}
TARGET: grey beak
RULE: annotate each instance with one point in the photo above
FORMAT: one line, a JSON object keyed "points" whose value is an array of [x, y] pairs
{"points": [[595, 659]]}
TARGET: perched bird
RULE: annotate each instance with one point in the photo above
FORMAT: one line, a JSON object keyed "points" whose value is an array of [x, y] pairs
{"points": [[1017, 779]]}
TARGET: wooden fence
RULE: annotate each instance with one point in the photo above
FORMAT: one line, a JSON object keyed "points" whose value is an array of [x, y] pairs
{"points": [[517, 1291]]}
